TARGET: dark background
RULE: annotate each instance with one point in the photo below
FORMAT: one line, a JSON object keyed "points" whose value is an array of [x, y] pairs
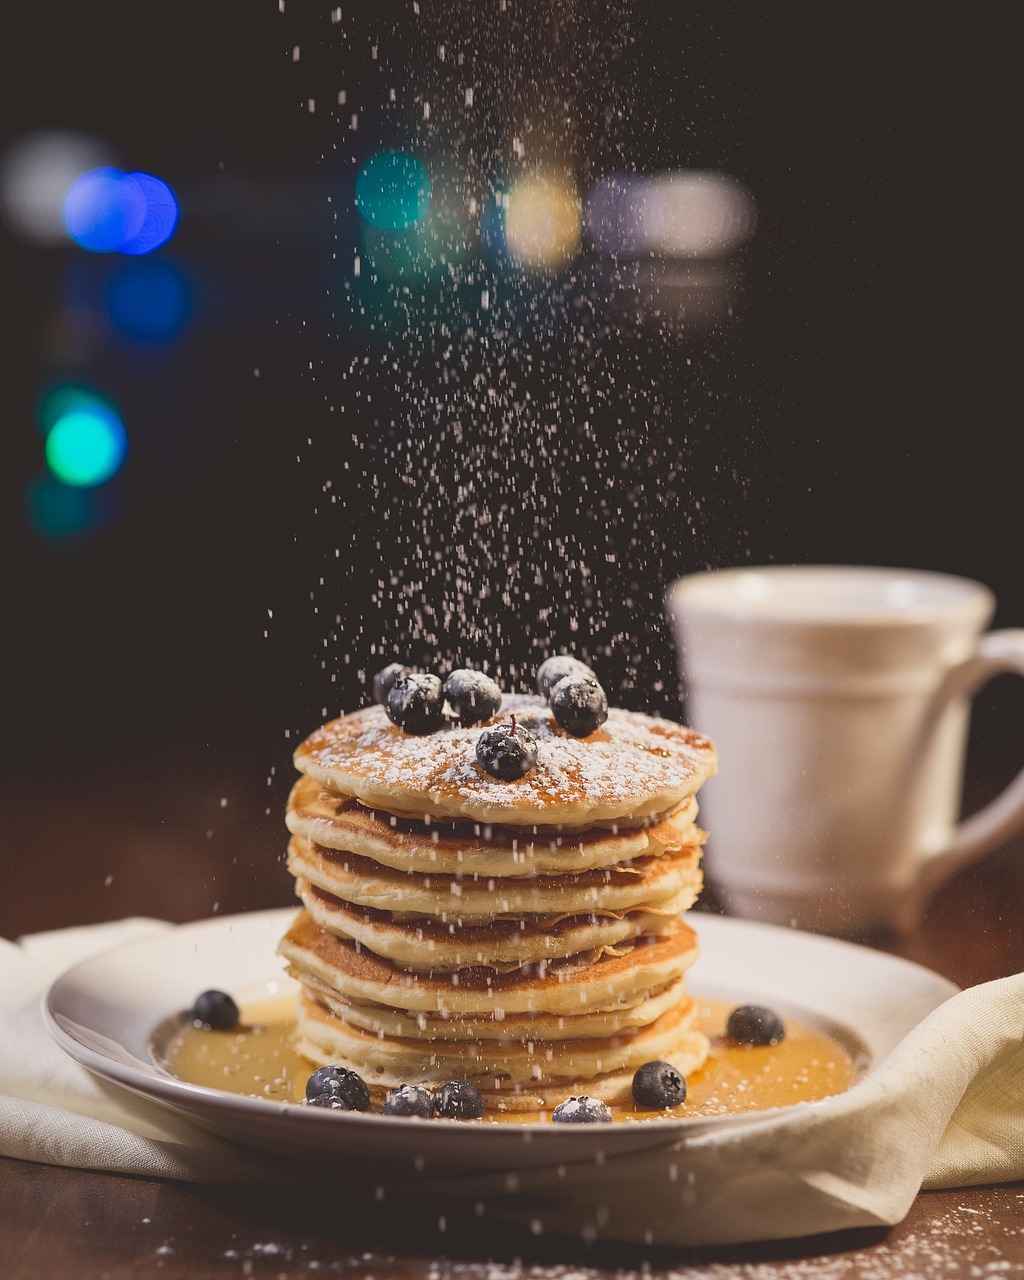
{"points": [[859, 405]]}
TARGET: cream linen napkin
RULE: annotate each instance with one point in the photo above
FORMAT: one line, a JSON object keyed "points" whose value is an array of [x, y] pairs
{"points": [[55, 1112], [945, 1109]]}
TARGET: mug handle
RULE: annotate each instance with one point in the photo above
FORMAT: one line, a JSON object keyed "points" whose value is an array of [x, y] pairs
{"points": [[998, 652]]}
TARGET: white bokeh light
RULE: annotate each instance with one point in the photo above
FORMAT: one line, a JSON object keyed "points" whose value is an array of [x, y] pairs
{"points": [[36, 173], [679, 214]]}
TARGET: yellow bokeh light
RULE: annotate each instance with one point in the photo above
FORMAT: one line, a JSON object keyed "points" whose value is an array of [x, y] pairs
{"points": [[542, 219]]}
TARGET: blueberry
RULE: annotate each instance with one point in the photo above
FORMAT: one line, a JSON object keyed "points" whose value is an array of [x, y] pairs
{"points": [[554, 669], [754, 1024], [215, 1011], [330, 1101], [458, 1100], [657, 1085], [581, 1110], [384, 680], [472, 695], [346, 1086], [506, 751], [579, 705], [415, 703], [409, 1100]]}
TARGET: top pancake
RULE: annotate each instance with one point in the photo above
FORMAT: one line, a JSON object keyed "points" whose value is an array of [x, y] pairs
{"points": [[633, 768]]}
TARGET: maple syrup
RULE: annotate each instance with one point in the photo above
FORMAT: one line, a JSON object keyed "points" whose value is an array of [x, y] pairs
{"points": [[257, 1060]]}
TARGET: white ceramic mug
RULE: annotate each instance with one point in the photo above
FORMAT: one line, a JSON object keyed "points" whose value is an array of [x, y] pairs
{"points": [[838, 699]]}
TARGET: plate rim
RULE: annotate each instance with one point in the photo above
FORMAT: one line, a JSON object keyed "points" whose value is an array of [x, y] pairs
{"points": [[150, 1080]]}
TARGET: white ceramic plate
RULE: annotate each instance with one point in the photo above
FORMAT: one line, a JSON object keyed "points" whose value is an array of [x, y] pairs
{"points": [[104, 1013]]}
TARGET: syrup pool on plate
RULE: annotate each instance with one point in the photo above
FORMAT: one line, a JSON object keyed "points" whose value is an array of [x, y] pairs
{"points": [[257, 1060]]}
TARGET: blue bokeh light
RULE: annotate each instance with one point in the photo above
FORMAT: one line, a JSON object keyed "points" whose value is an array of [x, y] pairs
{"points": [[393, 191], [493, 238], [160, 217], [109, 211], [103, 209], [150, 301]]}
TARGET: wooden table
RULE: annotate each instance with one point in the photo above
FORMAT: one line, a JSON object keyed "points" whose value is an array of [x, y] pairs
{"points": [[181, 847]]}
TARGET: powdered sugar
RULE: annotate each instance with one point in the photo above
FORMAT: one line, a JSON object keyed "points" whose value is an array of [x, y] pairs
{"points": [[634, 764]]}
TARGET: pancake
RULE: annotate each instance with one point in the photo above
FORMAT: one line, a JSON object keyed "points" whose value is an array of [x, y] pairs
{"points": [[342, 822], [630, 770], [461, 899], [513, 1077], [559, 987], [379, 1019], [429, 945], [523, 934]]}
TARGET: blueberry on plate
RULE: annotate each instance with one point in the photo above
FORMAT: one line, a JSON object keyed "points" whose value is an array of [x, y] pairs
{"points": [[409, 1100], [348, 1087], [329, 1101], [554, 669], [458, 1100], [657, 1085], [579, 705], [754, 1024], [384, 680], [472, 695], [581, 1110], [415, 703], [215, 1011], [506, 751]]}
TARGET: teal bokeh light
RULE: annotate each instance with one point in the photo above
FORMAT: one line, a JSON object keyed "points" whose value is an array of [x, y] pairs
{"points": [[393, 191], [65, 398], [59, 511], [87, 444]]}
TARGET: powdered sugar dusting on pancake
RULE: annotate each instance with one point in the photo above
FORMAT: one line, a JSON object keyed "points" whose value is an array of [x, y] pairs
{"points": [[634, 765]]}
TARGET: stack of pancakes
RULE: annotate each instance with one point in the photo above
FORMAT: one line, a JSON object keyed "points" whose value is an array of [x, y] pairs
{"points": [[523, 935]]}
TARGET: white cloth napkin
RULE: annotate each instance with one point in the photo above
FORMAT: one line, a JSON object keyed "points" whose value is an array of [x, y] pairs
{"points": [[945, 1109], [56, 1112]]}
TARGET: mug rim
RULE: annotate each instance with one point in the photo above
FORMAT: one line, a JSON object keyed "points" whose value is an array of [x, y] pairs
{"points": [[915, 595]]}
